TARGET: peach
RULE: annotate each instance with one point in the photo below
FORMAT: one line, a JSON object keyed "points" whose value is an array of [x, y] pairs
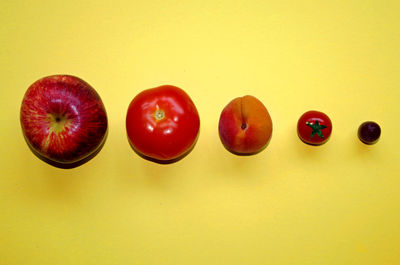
{"points": [[245, 126]]}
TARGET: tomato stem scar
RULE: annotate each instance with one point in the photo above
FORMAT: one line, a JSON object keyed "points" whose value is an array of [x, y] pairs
{"points": [[316, 129], [159, 114]]}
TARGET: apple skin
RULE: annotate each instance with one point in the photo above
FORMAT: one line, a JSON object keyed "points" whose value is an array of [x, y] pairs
{"points": [[245, 126], [63, 120]]}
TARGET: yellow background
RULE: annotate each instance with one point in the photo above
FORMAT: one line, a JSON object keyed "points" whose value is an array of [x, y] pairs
{"points": [[290, 204]]}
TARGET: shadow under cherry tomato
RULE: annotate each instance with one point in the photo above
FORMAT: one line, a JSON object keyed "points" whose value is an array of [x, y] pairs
{"points": [[312, 144]]}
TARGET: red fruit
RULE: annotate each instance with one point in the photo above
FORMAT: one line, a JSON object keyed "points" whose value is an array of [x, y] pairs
{"points": [[162, 124], [63, 120], [245, 126], [314, 127]]}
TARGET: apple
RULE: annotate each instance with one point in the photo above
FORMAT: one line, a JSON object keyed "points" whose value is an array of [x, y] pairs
{"points": [[63, 120], [245, 126]]}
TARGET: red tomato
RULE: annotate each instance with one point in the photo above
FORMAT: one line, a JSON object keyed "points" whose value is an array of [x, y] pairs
{"points": [[162, 123], [314, 127]]}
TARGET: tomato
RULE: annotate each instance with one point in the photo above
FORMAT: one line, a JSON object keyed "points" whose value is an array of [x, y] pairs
{"points": [[162, 123], [314, 127]]}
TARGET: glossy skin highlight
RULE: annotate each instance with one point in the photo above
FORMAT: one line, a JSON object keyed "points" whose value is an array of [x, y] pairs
{"points": [[162, 123], [63, 120], [245, 126]]}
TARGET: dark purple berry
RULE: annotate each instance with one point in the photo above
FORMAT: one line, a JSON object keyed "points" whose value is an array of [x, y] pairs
{"points": [[369, 132]]}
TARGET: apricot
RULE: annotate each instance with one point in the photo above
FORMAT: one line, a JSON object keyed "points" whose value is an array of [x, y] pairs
{"points": [[245, 126]]}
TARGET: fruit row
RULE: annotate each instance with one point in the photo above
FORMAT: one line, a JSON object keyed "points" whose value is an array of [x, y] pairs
{"points": [[64, 123]]}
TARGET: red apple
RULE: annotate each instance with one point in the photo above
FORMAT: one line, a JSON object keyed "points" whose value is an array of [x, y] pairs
{"points": [[245, 126], [63, 120]]}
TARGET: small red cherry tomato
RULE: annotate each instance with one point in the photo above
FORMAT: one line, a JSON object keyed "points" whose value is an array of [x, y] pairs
{"points": [[314, 127], [162, 123]]}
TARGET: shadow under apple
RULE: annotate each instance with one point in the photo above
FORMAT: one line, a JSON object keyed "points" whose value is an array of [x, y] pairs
{"points": [[68, 165]]}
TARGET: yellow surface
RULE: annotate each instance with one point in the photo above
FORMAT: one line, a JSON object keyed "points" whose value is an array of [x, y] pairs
{"points": [[294, 204]]}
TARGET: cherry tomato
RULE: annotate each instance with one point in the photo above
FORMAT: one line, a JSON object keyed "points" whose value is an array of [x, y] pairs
{"points": [[314, 127], [162, 123]]}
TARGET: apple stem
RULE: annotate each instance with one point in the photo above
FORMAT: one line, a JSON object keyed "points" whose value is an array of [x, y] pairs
{"points": [[244, 126]]}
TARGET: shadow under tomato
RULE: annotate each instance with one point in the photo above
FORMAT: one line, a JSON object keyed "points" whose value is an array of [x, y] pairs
{"points": [[69, 165], [305, 150], [164, 162]]}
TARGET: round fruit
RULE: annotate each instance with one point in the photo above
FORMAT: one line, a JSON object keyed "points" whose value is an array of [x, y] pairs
{"points": [[162, 123], [314, 127], [63, 120], [369, 132], [245, 126]]}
